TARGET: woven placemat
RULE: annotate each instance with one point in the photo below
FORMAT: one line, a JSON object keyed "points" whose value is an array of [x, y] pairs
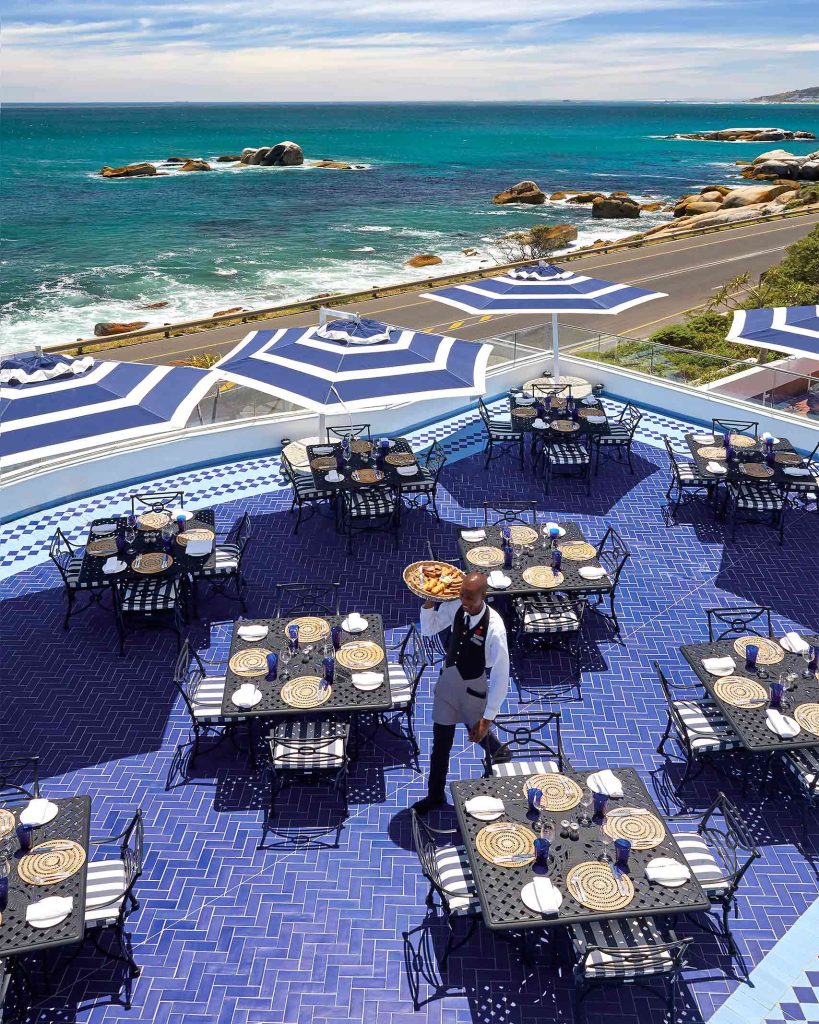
{"points": [[560, 793], [712, 452], [151, 563], [51, 862], [643, 829], [7, 820], [770, 653], [197, 533], [740, 692], [252, 661], [578, 550], [360, 654], [101, 548], [565, 426], [592, 410], [524, 412], [593, 885], [506, 844], [757, 470], [742, 441], [153, 520], [323, 463], [485, 556], [807, 715], [542, 576], [367, 476], [519, 534], [361, 447], [788, 459], [305, 692], [311, 628], [400, 459]]}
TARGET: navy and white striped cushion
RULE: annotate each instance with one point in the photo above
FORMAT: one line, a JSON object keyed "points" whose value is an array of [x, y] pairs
{"points": [[425, 484], [804, 765], [759, 499], [105, 887], [307, 489], [689, 473], [72, 572], [567, 455], [206, 699], [510, 768], [618, 433], [226, 560], [369, 504], [504, 431], [702, 862], [548, 614], [456, 878], [400, 687], [149, 596], [306, 744], [705, 727], [631, 948]]}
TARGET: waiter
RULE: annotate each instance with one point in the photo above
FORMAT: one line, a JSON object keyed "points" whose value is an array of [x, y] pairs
{"points": [[477, 642]]}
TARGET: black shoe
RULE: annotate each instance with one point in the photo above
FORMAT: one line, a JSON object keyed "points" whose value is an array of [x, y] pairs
{"points": [[502, 755], [429, 803]]}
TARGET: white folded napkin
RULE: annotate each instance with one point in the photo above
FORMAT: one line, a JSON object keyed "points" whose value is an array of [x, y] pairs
{"points": [[112, 565], [354, 623], [716, 467], [704, 438], [524, 400], [794, 643], [782, 725], [549, 526], [199, 547], [769, 437], [588, 400], [252, 632], [247, 696], [473, 535], [592, 572], [541, 896], [175, 513], [50, 911], [367, 680], [407, 470], [595, 419], [719, 666], [605, 782], [481, 805], [498, 580], [334, 476], [323, 449], [667, 871], [38, 812], [539, 424], [797, 470], [102, 529]]}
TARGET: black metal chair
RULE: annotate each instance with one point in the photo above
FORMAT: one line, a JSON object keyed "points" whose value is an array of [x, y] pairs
{"points": [[425, 490], [803, 491], [802, 767], [109, 891], [69, 563], [310, 750], [156, 501], [369, 510], [619, 435], [722, 426], [719, 851], [551, 391], [224, 567], [686, 485], [15, 787], [755, 502], [404, 675], [307, 599], [149, 601], [549, 620], [612, 554], [506, 513], [734, 621], [445, 865], [531, 744], [499, 432], [565, 458], [696, 725], [305, 492], [203, 695], [356, 431]]}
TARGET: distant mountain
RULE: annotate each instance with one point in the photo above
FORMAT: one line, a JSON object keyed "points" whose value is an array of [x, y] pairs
{"points": [[810, 95]]}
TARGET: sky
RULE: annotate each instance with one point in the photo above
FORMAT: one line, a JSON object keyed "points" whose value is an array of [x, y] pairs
{"points": [[349, 50]]}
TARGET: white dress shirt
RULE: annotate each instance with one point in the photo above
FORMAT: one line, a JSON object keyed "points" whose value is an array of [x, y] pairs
{"points": [[496, 648]]}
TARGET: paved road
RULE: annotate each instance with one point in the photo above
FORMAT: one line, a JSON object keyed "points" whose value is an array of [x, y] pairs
{"points": [[689, 270]]}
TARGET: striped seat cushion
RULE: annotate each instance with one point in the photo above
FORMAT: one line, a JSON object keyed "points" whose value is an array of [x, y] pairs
{"points": [[370, 504], [72, 572], [226, 560], [548, 614], [207, 698], [455, 876], [568, 455], [306, 744], [631, 948], [618, 433], [508, 768], [104, 891], [504, 431], [689, 474], [425, 484], [149, 596], [804, 765], [400, 687], [759, 500], [307, 490], [702, 862], [705, 727]]}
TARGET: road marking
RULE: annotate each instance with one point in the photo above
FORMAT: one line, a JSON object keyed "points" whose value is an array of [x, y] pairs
{"points": [[456, 325], [483, 319]]}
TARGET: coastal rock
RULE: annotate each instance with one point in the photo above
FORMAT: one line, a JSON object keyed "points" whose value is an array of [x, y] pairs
{"points": [[528, 192], [425, 259], [334, 165], [584, 197], [779, 163], [772, 154], [155, 305], [228, 159], [692, 209], [177, 159], [743, 135], [750, 195], [712, 196], [615, 206], [283, 154], [143, 170], [547, 237], [651, 207], [105, 330], [195, 165], [470, 252], [558, 195], [722, 189], [224, 312]]}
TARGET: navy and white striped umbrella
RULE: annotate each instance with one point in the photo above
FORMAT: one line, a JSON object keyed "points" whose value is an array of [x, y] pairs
{"points": [[305, 366], [533, 291], [793, 329], [108, 403]]}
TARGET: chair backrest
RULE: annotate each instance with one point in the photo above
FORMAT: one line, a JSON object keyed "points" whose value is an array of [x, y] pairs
{"points": [[630, 417], [484, 411], [413, 659], [241, 532], [291, 748], [676, 459], [19, 780], [188, 674], [61, 552], [551, 390], [156, 501], [435, 459], [502, 512], [131, 850], [531, 737], [812, 461], [307, 598], [738, 620], [354, 430], [634, 960], [728, 839], [141, 588], [426, 841], [721, 426], [674, 692], [612, 553]]}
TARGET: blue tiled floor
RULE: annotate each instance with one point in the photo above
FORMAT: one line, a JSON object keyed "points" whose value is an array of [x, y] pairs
{"points": [[227, 932]]}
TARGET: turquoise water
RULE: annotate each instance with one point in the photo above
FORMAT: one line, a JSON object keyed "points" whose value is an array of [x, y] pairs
{"points": [[79, 249]]}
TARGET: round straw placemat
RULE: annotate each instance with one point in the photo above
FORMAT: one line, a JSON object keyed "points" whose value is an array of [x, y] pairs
{"points": [[524, 412], [503, 842], [593, 885], [485, 556], [642, 829], [51, 862], [101, 548], [305, 692], [323, 463], [757, 470], [151, 563], [311, 628], [367, 476], [740, 692], [565, 426], [770, 653], [252, 661], [6, 823], [742, 441], [711, 452], [359, 654], [807, 715], [440, 580], [522, 534], [153, 520], [400, 459], [361, 447], [198, 533], [559, 793], [788, 459], [542, 576], [578, 550]]}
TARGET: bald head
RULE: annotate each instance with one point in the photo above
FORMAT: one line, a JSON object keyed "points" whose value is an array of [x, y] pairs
{"points": [[473, 592]]}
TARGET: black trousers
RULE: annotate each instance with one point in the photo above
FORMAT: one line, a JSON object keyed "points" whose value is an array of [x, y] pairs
{"points": [[443, 736]]}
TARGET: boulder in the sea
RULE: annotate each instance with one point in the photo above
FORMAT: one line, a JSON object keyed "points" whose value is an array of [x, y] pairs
{"points": [[177, 159], [650, 207], [283, 154], [225, 312], [333, 165], [155, 305], [425, 259], [744, 135], [750, 195], [105, 330], [195, 165], [228, 159], [558, 195], [584, 197], [470, 252], [142, 170], [700, 206], [615, 206], [528, 192]]}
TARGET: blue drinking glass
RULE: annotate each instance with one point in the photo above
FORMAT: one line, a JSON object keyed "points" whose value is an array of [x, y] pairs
{"points": [[751, 654], [4, 882], [777, 689], [132, 521], [554, 533], [726, 439], [293, 634], [25, 837], [557, 558], [540, 409], [180, 524], [533, 796], [542, 848], [335, 636], [507, 554], [622, 848], [384, 444], [272, 666], [600, 804], [813, 664], [340, 461], [329, 670], [549, 402], [122, 545]]}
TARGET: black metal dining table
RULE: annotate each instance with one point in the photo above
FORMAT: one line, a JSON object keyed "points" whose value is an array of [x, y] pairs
{"points": [[754, 456], [361, 460], [73, 821], [749, 723], [499, 887], [523, 414]]}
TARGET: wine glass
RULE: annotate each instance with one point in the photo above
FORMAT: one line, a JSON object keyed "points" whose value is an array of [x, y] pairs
{"points": [[284, 661], [807, 657], [605, 846], [130, 537], [586, 804]]}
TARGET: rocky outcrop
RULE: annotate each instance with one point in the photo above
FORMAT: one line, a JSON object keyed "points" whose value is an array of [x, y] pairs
{"points": [[105, 330], [333, 165], [425, 259], [225, 312], [650, 207], [581, 198], [283, 154], [744, 135], [229, 159], [155, 305], [778, 163], [143, 170], [470, 252], [177, 159], [558, 195], [618, 204], [545, 237], [528, 192], [195, 165]]}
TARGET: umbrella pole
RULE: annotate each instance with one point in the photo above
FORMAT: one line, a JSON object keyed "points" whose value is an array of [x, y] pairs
{"points": [[555, 351], [322, 419]]}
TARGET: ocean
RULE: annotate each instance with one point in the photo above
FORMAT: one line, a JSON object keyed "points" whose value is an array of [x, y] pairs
{"points": [[78, 249]]}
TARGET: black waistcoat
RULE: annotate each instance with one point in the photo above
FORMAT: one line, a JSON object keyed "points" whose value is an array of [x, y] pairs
{"points": [[467, 647]]}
